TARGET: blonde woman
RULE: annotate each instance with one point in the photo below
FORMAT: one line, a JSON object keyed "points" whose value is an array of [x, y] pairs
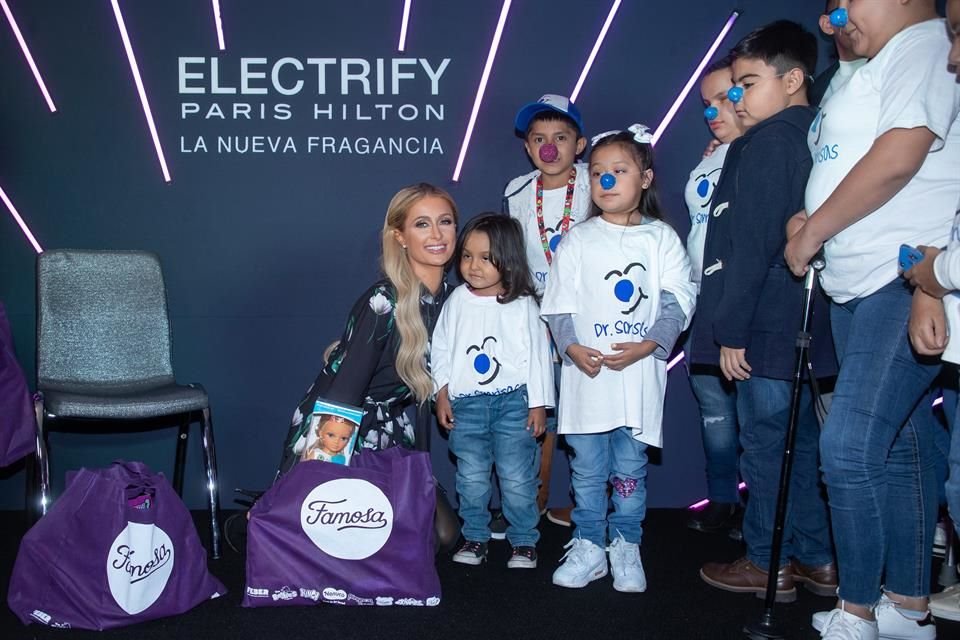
{"points": [[380, 363]]}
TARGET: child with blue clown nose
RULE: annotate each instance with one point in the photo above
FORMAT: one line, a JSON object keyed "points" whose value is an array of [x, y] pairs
{"points": [[618, 296]]}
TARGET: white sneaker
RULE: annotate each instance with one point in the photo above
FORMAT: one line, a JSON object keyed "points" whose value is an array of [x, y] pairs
{"points": [[946, 604], [891, 625], [583, 563], [895, 626], [628, 575], [840, 625]]}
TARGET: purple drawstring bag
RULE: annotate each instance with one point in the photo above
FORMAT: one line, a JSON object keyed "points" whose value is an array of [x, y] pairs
{"points": [[357, 535], [118, 547], [18, 424]]}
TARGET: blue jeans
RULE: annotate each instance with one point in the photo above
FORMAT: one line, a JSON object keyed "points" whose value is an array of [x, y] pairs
{"points": [[952, 488], [764, 408], [492, 430], [617, 458], [877, 450], [718, 428]]}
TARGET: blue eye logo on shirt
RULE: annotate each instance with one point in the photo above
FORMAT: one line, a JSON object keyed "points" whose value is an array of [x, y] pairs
{"points": [[706, 183], [554, 239], [625, 290], [482, 362]]}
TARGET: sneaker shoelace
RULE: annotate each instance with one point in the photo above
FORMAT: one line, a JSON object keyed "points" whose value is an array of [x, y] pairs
{"points": [[624, 555], [576, 550], [471, 547], [523, 552]]}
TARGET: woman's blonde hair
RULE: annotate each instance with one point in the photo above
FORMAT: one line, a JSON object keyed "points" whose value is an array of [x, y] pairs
{"points": [[411, 361]]}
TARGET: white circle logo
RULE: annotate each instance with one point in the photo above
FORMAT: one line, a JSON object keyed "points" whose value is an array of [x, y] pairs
{"points": [[347, 518], [139, 564]]}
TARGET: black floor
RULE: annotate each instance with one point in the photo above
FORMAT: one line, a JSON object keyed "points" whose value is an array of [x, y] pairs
{"points": [[487, 601]]}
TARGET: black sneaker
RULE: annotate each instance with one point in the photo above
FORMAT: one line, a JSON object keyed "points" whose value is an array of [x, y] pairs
{"points": [[523, 558], [716, 516], [472, 553], [498, 526]]}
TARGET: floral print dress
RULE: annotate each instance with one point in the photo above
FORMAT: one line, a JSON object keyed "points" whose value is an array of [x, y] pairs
{"points": [[361, 371]]}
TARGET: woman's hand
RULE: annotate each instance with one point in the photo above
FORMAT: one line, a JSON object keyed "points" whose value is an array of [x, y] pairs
{"points": [[628, 353], [928, 324], [800, 250], [733, 364], [537, 421], [921, 274], [444, 410], [587, 360]]}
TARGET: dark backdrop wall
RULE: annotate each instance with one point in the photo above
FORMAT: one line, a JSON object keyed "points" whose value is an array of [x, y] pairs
{"points": [[264, 251]]}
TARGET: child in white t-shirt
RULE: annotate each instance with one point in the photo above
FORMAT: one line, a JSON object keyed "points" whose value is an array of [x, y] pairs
{"points": [[886, 151], [492, 368], [717, 397], [618, 297]]}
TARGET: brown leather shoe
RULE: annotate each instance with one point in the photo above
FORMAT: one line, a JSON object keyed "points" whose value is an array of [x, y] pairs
{"points": [[821, 580], [742, 576]]}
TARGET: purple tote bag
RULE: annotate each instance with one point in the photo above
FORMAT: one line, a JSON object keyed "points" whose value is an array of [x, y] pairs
{"points": [[18, 425], [357, 535], [118, 547]]}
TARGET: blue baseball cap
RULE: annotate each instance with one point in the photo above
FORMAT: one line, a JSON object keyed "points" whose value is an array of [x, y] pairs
{"points": [[548, 102]]}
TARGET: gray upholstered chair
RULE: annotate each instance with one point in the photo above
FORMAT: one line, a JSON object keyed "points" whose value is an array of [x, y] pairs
{"points": [[103, 353]]}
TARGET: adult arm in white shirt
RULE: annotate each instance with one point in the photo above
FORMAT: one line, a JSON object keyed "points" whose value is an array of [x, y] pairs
{"points": [[888, 166]]}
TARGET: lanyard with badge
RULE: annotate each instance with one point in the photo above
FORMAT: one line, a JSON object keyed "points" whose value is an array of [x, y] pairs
{"points": [[567, 208]]}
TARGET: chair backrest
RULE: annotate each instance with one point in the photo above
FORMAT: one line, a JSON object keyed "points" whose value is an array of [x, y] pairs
{"points": [[101, 319]]}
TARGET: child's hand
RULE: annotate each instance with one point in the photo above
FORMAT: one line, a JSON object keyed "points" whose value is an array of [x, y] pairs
{"points": [[627, 353], [444, 410], [921, 274], [537, 421], [712, 146], [796, 222], [733, 364], [587, 360], [928, 324]]}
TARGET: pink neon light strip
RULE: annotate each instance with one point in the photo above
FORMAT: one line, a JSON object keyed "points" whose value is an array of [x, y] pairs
{"points": [[28, 55], [705, 502], [140, 90], [219, 21], [403, 26], [596, 48], [675, 361], [696, 75], [23, 225], [494, 45]]}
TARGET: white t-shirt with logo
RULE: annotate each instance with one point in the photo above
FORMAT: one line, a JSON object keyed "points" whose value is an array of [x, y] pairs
{"points": [[907, 85], [483, 347], [523, 207], [845, 71], [946, 268], [609, 277], [698, 193]]}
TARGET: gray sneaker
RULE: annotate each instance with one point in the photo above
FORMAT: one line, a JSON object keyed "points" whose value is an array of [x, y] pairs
{"points": [[523, 558], [472, 553]]}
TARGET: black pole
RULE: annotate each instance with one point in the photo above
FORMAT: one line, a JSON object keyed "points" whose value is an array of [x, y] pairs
{"points": [[766, 627]]}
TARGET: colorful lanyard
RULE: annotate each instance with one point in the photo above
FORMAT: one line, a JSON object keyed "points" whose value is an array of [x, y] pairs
{"points": [[567, 208]]}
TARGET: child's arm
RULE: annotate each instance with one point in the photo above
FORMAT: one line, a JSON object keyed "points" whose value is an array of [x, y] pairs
{"points": [[928, 324], [938, 273], [584, 358], [440, 364], [444, 409], [540, 387]]}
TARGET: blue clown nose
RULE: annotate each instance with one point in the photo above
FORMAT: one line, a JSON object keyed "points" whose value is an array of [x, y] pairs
{"points": [[607, 181], [839, 17], [711, 113], [735, 94]]}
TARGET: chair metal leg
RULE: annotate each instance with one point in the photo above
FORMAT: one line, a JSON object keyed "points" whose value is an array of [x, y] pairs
{"points": [[43, 463], [180, 462], [213, 487]]}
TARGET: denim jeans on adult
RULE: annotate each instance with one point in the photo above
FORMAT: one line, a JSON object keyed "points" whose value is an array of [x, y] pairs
{"points": [[763, 406], [617, 458], [952, 488], [877, 450], [492, 430], [718, 428]]}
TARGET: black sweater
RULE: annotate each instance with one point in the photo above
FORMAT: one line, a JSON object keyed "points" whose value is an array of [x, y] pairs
{"points": [[748, 297]]}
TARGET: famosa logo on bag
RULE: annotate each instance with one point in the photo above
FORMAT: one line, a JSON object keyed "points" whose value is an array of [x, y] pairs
{"points": [[139, 564], [347, 518]]}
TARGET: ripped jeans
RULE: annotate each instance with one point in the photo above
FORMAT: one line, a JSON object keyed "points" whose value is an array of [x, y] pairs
{"points": [[614, 457]]}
